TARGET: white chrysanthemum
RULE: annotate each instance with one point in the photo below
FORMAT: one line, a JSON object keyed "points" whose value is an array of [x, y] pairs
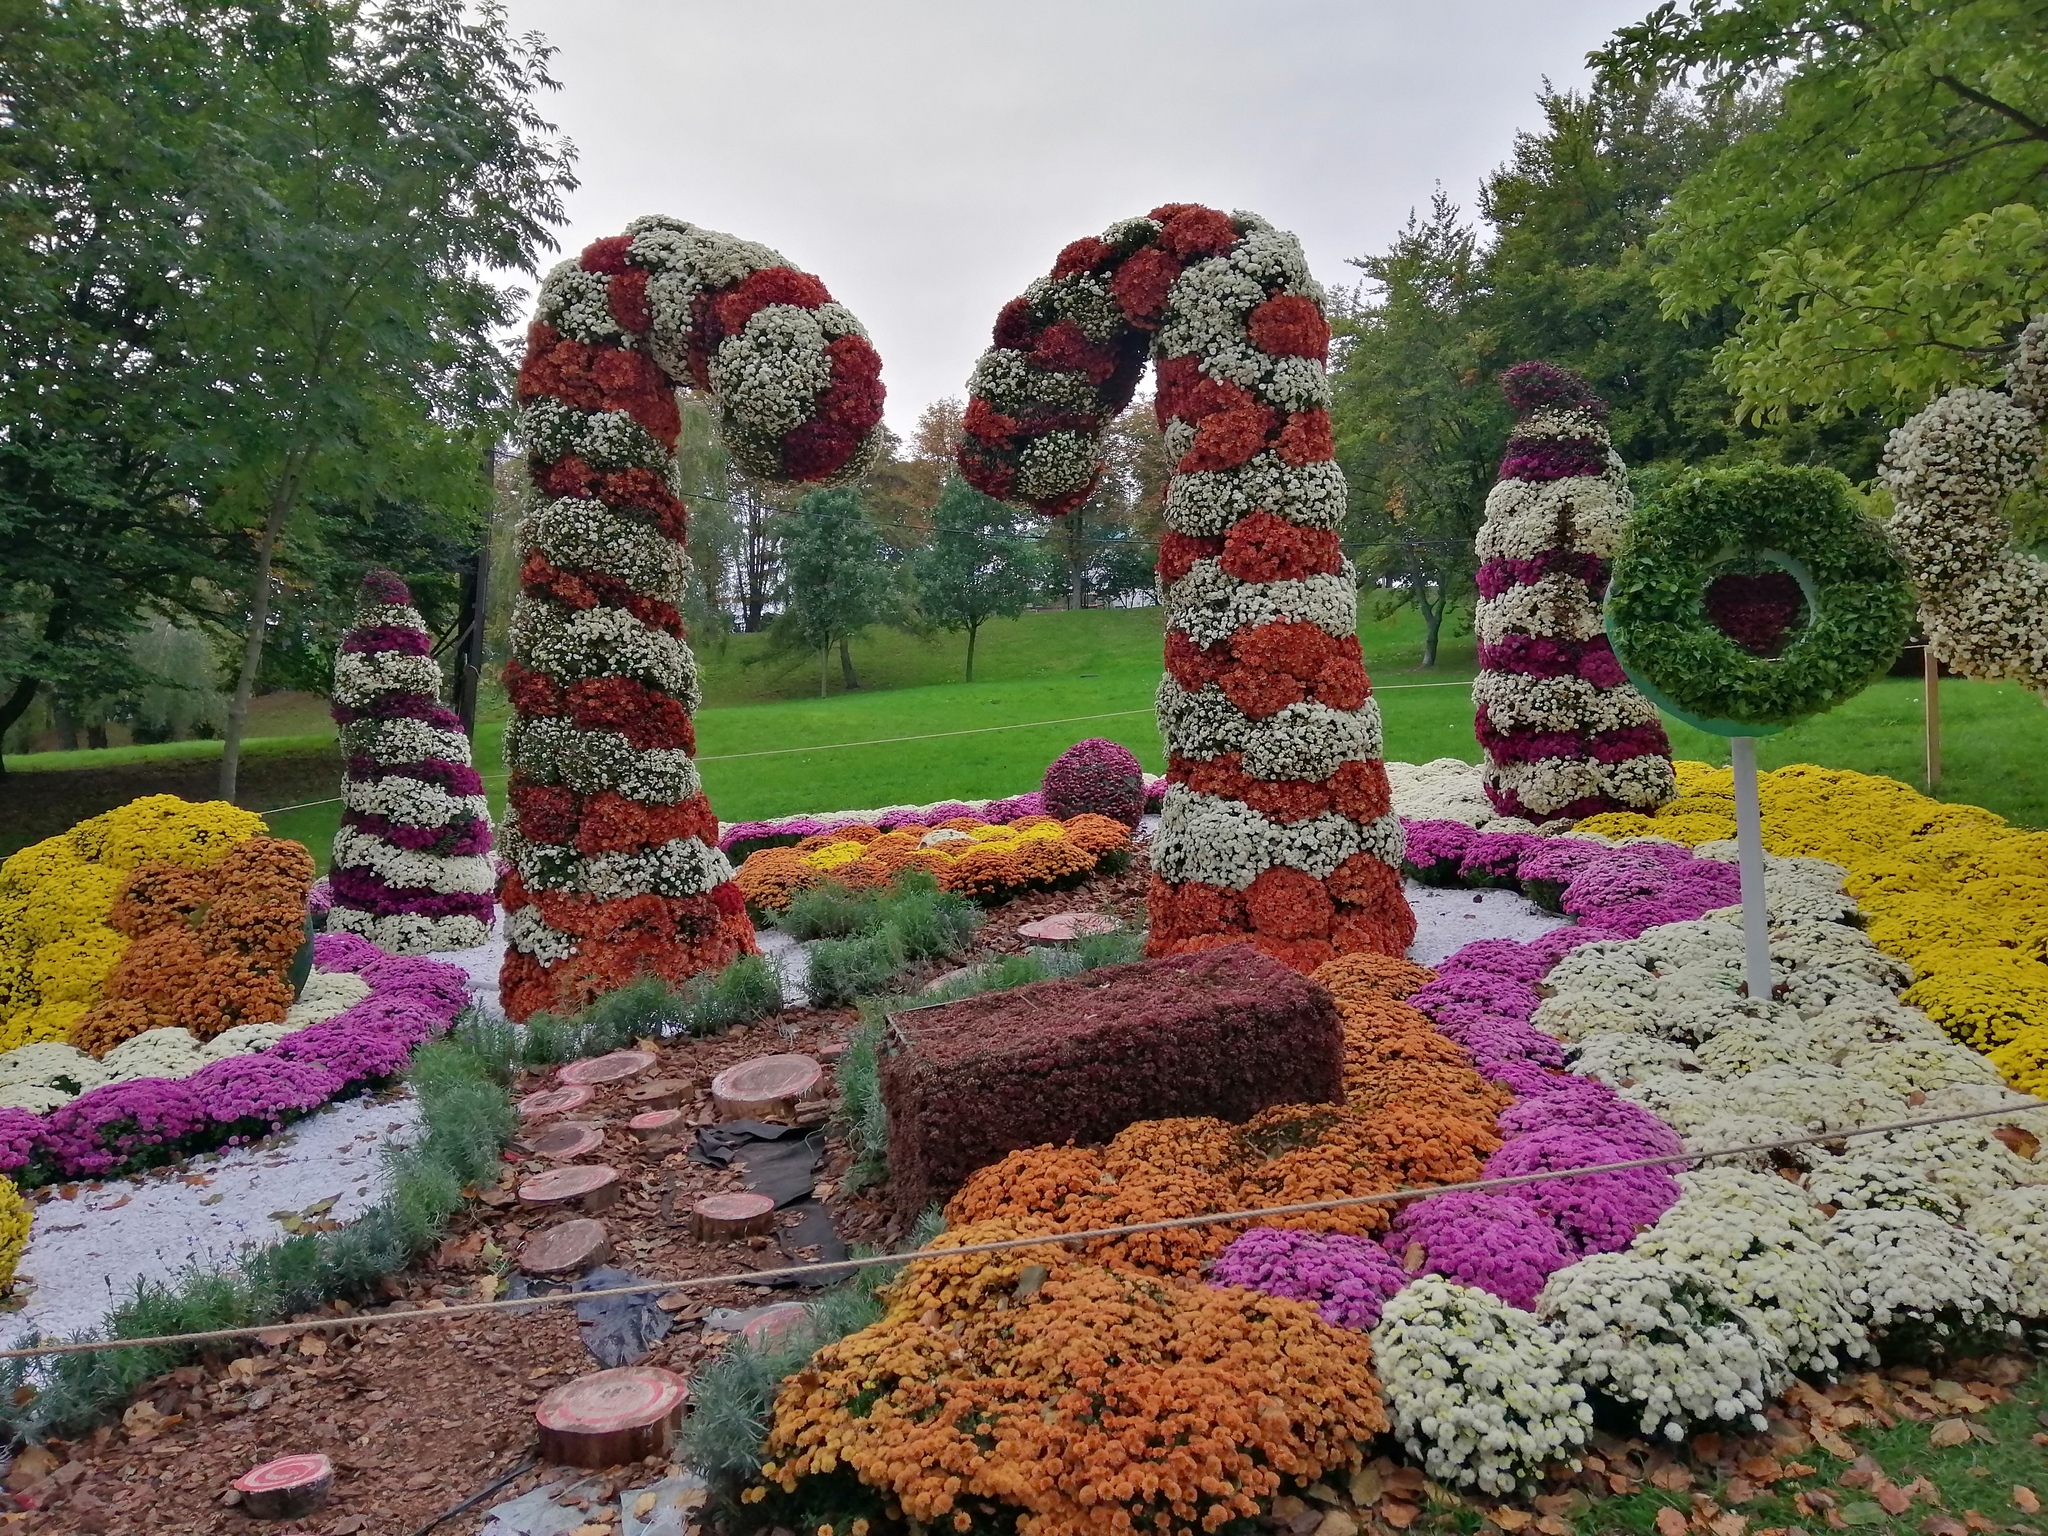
{"points": [[1742, 1048], [445, 874], [359, 676], [1516, 702], [590, 535], [412, 933], [403, 741], [52, 1064], [245, 1039], [1477, 1389], [168, 1053], [2013, 1226], [1663, 1341], [1621, 1056], [553, 751], [412, 801], [1911, 1266], [1861, 1180], [528, 932]]}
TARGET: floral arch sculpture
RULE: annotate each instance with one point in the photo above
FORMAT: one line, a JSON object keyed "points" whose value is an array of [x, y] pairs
{"points": [[614, 870], [1277, 825]]}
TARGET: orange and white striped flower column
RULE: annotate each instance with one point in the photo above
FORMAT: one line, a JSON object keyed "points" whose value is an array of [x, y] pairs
{"points": [[1278, 826]]}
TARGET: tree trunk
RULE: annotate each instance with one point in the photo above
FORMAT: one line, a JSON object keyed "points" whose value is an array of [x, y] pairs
{"points": [[17, 704], [67, 728], [972, 631], [846, 674], [96, 737], [824, 668], [1432, 624], [252, 649]]}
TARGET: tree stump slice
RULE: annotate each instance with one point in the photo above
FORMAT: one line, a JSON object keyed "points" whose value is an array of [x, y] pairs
{"points": [[656, 1123], [1065, 927], [566, 1140], [554, 1101], [772, 1324], [609, 1418], [287, 1487], [662, 1093], [765, 1088], [594, 1185], [743, 1213], [567, 1248], [599, 1070]]}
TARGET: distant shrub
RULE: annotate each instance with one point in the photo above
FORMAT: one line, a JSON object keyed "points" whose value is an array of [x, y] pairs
{"points": [[1095, 777]]}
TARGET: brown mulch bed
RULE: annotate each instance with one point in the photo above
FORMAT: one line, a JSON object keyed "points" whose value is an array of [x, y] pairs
{"points": [[419, 1415]]}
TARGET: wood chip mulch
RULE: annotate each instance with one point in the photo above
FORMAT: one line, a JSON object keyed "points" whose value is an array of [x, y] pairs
{"points": [[417, 1416]]}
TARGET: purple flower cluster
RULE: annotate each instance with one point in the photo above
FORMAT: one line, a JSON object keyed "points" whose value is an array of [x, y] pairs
{"points": [[1348, 1278], [140, 1124], [1597, 1212], [1436, 850], [1497, 1243], [1095, 777]]}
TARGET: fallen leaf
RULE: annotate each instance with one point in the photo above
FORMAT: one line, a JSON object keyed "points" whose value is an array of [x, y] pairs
{"points": [[1896, 1500], [1707, 1447], [1863, 1512], [1550, 1525], [1399, 1516], [1510, 1519], [1949, 1432], [1834, 1444], [2028, 1501], [1976, 1520], [1740, 1490], [1366, 1487], [1616, 1483], [1670, 1522], [33, 1465], [1672, 1479], [1958, 1397], [2025, 1143], [1943, 1525], [1861, 1473], [1730, 1524], [312, 1344], [1763, 1469], [644, 1506], [1979, 1432]]}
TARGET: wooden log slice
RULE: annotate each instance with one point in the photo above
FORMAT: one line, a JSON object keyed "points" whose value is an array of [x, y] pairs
{"points": [[554, 1101], [595, 1186], [772, 1324], [599, 1070], [567, 1139], [656, 1123], [609, 1418], [765, 1088], [1065, 927], [567, 1248], [287, 1487], [662, 1093], [740, 1214]]}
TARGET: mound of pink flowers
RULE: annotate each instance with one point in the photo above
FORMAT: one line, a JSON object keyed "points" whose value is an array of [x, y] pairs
{"points": [[150, 1121]]}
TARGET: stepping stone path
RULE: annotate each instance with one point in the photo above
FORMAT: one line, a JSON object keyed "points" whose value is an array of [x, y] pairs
{"points": [[593, 1185], [609, 1418], [656, 1123], [743, 1213], [554, 1101], [286, 1488], [662, 1093], [1065, 927], [567, 1140], [599, 1070], [766, 1088], [568, 1248]]}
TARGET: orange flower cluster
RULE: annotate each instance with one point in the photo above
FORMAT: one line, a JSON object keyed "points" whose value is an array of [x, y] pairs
{"points": [[1364, 975], [212, 947], [1095, 1401], [979, 861], [619, 940]]}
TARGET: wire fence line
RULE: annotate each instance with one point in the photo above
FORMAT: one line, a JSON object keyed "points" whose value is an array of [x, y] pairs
{"points": [[823, 1272]]}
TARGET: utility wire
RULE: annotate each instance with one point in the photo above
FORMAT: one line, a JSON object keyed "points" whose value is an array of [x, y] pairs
{"points": [[822, 1272]]}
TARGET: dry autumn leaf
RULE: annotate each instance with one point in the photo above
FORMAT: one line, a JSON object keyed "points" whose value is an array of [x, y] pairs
{"points": [[1399, 1516], [1672, 1479], [1949, 1432], [1895, 1499], [1510, 1519], [1670, 1522], [2028, 1501]]}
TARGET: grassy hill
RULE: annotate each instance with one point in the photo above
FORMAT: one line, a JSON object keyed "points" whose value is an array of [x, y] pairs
{"points": [[914, 732]]}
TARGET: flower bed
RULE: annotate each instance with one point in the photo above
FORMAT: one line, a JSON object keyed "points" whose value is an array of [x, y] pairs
{"points": [[974, 858], [165, 1094], [1496, 1322]]}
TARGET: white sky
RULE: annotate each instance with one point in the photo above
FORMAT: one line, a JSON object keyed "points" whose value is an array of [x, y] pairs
{"points": [[927, 158]]}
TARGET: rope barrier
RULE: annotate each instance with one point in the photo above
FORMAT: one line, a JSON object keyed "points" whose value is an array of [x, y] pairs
{"points": [[838, 1268]]}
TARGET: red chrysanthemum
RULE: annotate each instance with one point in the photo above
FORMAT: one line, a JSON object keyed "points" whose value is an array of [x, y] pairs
{"points": [[1263, 547], [1306, 438], [1289, 325], [1083, 255], [626, 298], [732, 309], [985, 422], [606, 255], [1188, 229], [1016, 328], [1178, 553], [1142, 283], [1226, 439]]}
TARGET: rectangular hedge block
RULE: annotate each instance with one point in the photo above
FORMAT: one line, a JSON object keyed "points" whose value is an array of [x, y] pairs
{"points": [[1224, 1032]]}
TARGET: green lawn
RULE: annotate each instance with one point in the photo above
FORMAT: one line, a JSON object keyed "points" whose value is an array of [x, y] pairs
{"points": [[1047, 680]]}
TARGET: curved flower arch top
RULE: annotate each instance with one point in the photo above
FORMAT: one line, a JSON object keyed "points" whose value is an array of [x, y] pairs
{"points": [[412, 872], [1277, 826], [1984, 604], [615, 869], [1565, 734]]}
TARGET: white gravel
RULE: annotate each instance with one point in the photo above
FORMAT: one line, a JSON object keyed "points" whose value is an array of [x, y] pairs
{"points": [[1447, 920], [87, 1254]]}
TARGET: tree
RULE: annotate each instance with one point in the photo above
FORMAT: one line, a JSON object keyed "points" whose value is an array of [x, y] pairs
{"points": [[1418, 425], [978, 566], [1883, 237], [836, 581]]}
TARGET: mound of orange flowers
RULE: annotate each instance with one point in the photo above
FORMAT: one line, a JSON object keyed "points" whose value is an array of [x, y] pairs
{"points": [[975, 859], [210, 948], [1099, 1392]]}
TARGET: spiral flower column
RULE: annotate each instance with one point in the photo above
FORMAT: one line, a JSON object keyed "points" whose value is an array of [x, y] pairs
{"points": [[412, 872], [1277, 826], [1566, 735], [615, 869]]}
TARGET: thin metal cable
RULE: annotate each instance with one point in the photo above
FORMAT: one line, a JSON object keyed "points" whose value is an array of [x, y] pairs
{"points": [[1041, 1240]]}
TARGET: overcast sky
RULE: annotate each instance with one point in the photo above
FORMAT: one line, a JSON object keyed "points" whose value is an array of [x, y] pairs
{"points": [[927, 158]]}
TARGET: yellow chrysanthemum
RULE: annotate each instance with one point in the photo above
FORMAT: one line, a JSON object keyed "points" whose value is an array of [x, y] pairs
{"points": [[73, 969], [194, 833], [1617, 824], [74, 899], [15, 1219], [2023, 1061], [832, 855], [1982, 1009], [33, 865], [45, 1021]]}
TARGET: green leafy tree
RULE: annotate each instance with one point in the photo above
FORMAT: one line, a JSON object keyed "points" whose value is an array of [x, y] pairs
{"points": [[1883, 237], [978, 566], [836, 580], [1417, 422]]}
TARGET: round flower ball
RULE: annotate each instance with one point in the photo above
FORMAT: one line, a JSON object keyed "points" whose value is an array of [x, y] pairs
{"points": [[1095, 777]]}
